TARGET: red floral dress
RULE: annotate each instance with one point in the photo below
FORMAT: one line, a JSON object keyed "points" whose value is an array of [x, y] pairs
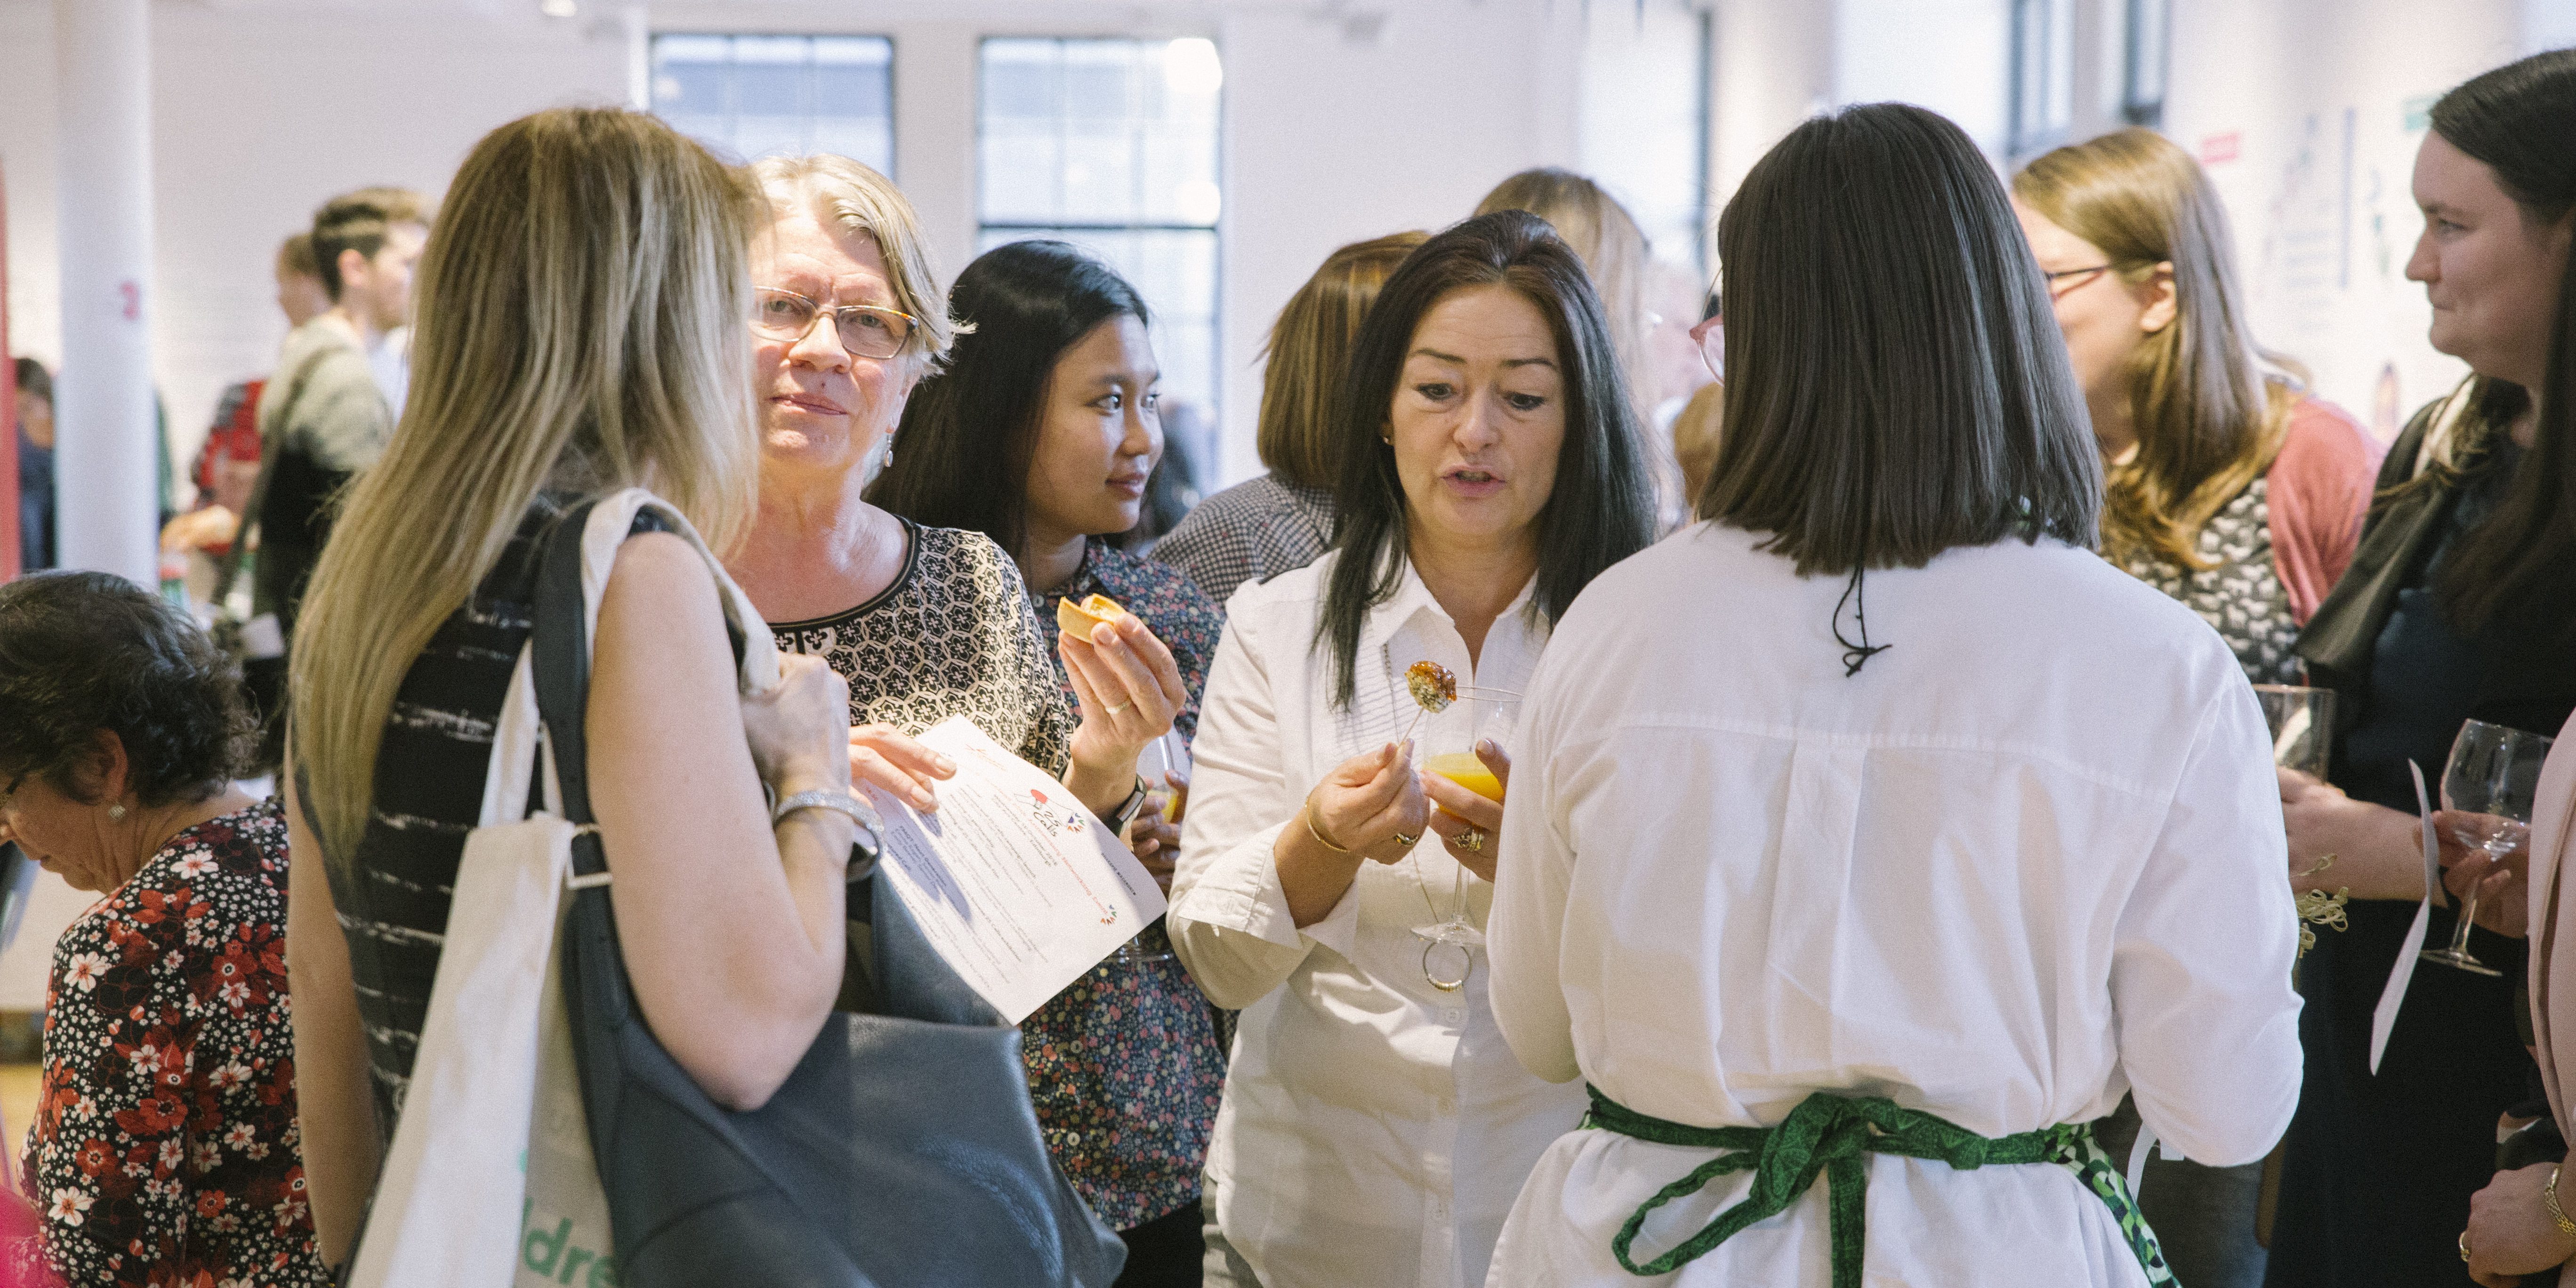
{"points": [[164, 1149]]}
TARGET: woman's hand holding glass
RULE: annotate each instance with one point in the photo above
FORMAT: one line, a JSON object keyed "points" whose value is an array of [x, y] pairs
{"points": [[1470, 824], [2471, 874], [799, 730], [2378, 852], [1129, 689]]}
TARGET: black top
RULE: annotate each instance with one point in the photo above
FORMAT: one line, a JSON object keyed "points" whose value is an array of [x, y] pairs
{"points": [[2376, 1184], [393, 900]]}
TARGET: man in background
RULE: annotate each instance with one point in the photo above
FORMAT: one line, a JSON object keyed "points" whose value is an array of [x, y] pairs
{"points": [[323, 418], [227, 465]]}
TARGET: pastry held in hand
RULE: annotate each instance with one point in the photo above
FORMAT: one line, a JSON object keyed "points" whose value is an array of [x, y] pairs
{"points": [[1080, 619]]}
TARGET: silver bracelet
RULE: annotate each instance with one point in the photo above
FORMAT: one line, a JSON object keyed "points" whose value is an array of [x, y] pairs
{"points": [[860, 812]]}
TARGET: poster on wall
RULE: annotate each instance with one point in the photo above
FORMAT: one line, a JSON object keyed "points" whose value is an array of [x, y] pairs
{"points": [[2334, 223]]}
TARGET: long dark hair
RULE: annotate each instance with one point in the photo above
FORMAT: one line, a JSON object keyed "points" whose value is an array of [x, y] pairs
{"points": [[962, 452], [1601, 510], [1896, 384], [2519, 120]]}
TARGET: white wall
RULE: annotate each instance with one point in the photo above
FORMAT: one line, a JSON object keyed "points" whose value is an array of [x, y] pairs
{"points": [[259, 114], [2322, 104]]}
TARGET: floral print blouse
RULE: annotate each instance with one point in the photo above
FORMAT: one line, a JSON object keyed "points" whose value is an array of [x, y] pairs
{"points": [[1124, 1065], [164, 1149]]}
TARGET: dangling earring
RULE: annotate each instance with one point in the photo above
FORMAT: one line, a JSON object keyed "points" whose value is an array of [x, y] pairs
{"points": [[116, 813]]}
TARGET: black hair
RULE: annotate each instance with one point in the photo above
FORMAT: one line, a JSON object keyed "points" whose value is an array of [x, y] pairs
{"points": [[34, 380], [963, 451], [82, 652], [1601, 510], [1896, 383], [2519, 120]]}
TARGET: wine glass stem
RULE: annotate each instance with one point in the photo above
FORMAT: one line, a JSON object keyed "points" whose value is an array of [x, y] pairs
{"points": [[2460, 932]]}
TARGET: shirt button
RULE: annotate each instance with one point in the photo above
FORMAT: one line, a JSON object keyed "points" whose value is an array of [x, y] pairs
{"points": [[1454, 1016], [1444, 1105]]}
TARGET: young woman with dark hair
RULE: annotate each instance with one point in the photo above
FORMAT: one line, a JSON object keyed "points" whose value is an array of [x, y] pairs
{"points": [[1882, 829], [1490, 469], [2460, 605], [1040, 434]]}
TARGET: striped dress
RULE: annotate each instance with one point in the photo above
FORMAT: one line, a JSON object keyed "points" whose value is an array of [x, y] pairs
{"points": [[393, 899]]}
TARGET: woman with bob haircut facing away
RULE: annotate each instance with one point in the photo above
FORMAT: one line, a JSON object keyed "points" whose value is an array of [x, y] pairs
{"points": [[1039, 435], [1883, 835], [2227, 488], [568, 346], [1263, 527], [1375, 1128]]}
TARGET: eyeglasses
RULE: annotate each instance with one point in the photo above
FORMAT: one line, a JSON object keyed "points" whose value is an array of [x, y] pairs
{"points": [[2056, 292], [1710, 336], [866, 331]]}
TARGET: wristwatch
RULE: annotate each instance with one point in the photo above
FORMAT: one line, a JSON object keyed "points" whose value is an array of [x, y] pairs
{"points": [[869, 840], [1127, 810]]}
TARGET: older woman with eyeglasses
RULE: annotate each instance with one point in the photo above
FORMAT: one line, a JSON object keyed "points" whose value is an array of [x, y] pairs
{"points": [[923, 622]]}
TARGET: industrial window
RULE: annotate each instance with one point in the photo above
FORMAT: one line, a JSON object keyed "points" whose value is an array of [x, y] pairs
{"points": [[756, 96], [1113, 145]]}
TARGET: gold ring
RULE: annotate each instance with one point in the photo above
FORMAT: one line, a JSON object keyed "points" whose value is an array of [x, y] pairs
{"points": [[1120, 707], [1472, 840], [1407, 841]]}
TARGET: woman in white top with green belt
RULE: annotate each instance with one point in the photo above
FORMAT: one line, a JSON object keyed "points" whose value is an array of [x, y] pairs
{"points": [[1876, 828], [1374, 1127]]}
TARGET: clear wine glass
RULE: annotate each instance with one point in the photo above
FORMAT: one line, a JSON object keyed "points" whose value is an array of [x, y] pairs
{"points": [[2302, 724], [2490, 782]]}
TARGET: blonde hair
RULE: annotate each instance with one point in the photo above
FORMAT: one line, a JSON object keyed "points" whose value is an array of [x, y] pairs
{"points": [[2208, 419], [1613, 250], [581, 323], [1308, 347], [857, 199]]}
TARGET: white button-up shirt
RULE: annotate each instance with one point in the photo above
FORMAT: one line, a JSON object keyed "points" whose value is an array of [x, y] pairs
{"points": [[1374, 1129], [2028, 858]]}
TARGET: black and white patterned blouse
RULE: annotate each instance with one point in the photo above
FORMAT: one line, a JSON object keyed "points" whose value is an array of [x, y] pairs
{"points": [[1252, 531], [2242, 595], [954, 635]]}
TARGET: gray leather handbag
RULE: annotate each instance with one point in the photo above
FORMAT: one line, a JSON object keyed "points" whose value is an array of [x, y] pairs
{"points": [[901, 1153]]}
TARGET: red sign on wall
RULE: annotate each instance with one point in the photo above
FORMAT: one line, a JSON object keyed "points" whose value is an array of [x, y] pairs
{"points": [[2218, 149]]}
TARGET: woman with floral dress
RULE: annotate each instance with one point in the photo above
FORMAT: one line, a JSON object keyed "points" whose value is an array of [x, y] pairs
{"points": [[165, 1147], [1040, 434]]}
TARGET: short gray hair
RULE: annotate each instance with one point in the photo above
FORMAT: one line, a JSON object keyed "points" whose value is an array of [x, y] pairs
{"points": [[858, 199]]}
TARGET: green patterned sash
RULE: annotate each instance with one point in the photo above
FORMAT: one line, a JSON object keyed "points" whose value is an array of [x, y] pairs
{"points": [[1834, 1136]]}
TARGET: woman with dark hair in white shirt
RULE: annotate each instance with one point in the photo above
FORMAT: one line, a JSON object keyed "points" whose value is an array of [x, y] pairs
{"points": [[1891, 882], [1374, 1128]]}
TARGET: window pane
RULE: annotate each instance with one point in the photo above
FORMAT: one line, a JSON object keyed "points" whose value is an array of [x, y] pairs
{"points": [[753, 96], [1113, 145]]}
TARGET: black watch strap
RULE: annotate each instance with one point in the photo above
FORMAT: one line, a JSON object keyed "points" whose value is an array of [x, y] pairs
{"points": [[1126, 812]]}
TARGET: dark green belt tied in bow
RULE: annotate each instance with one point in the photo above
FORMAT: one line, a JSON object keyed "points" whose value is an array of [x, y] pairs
{"points": [[1834, 1136]]}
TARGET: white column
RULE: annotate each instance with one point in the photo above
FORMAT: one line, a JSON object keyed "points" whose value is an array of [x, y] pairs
{"points": [[107, 464]]}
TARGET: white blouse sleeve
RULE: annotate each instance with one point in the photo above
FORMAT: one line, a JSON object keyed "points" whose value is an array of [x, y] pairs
{"points": [[2203, 951], [1525, 931], [1229, 918]]}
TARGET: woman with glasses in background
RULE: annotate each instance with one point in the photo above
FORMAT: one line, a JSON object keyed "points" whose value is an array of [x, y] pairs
{"points": [[2226, 488]]}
